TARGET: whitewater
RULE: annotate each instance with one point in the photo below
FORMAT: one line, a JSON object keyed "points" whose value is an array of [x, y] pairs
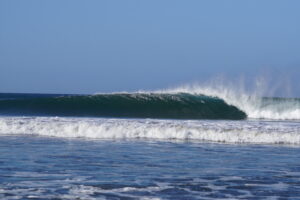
{"points": [[185, 143], [252, 103], [225, 131], [193, 113]]}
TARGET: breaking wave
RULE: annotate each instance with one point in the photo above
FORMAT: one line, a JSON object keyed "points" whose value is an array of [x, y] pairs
{"points": [[186, 102], [128, 105], [252, 104]]}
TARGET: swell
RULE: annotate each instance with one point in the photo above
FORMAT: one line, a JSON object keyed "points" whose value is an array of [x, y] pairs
{"points": [[128, 105]]}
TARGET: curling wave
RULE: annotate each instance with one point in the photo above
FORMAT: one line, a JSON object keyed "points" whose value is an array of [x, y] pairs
{"points": [[260, 132], [186, 102], [252, 104], [128, 105]]}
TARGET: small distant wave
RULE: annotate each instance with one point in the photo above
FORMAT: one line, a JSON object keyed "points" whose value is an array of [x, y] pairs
{"points": [[260, 132]]}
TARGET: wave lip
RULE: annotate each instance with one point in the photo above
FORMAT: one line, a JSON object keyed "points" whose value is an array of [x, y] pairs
{"points": [[258, 132], [128, 105], [186, 102], [252, 104]]}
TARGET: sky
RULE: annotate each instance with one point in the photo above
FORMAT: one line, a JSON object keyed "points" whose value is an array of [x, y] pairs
{"points": [[72, 46]]}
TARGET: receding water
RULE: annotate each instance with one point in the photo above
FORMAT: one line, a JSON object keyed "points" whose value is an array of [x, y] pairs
{"points": [[34, 167]]}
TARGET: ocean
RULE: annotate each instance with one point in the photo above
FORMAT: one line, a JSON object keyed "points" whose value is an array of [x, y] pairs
{"points": [[173, 144]]}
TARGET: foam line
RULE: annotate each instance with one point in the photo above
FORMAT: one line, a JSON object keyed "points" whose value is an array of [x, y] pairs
{"points": [[260, 132]]}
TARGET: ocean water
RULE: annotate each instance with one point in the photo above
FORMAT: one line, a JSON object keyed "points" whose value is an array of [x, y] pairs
{"points": [[176, 144]]}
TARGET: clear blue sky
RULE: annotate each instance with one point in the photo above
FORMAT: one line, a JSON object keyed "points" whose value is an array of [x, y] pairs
{"points": [[71, 46]]}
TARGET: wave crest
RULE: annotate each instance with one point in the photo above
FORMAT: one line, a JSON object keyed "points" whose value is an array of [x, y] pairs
{"points": [[129, 105], [253, 104]]}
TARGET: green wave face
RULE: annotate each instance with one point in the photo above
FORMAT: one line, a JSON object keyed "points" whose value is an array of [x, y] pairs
{"points": [[128, 105]]}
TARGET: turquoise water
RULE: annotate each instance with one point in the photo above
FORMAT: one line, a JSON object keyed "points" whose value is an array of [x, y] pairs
{"points": [[34, 167]]}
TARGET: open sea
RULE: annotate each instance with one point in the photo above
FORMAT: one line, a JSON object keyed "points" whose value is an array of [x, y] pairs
{"points": [[175, 144]]}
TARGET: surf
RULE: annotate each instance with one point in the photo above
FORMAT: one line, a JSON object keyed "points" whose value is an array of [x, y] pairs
{"points": [[253, 103], [211, 101], [221, 131], [125, 105]]}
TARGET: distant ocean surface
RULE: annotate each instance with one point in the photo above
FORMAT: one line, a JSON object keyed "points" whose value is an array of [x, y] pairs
{"points": [[175, 144]]}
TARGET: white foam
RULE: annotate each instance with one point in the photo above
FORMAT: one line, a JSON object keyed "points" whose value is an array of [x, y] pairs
{"points": [[203, 130], [250, 102]]}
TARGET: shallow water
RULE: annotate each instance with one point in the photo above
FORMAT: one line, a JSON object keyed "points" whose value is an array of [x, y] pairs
{"points": [[34, 167], [226, 131]]}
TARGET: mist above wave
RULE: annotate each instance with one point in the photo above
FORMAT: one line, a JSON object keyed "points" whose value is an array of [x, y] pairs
{"points": [[252, 102]]}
